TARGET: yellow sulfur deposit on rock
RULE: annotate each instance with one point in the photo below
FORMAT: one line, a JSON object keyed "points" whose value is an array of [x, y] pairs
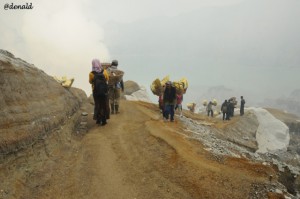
{"points": [[64, 81]]}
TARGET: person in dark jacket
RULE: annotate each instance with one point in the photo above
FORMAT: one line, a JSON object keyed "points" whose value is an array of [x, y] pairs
{"points": [[169, 100], [242, 106], [230, 108], [224, 109], [101, 110]]}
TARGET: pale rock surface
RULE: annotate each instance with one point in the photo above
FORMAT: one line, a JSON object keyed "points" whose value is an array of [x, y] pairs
{"points": [[140, 95], [272, 134]]}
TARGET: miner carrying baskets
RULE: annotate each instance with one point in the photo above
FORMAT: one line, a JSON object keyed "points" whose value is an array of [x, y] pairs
{"points": [[115, 85]]}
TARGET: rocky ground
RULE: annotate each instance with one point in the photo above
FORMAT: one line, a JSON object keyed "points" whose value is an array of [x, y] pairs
{"points": [[50, 147], [236, 138], [138, 155]]}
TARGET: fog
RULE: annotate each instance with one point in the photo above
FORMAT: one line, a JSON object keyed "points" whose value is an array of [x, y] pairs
{"points": [[248, 46]]}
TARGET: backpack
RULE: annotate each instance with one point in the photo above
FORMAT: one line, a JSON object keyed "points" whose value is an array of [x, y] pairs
{"points": [[100, 85]]}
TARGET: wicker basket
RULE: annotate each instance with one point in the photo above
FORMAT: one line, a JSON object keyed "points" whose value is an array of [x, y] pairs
{"points": [[115, 77]]}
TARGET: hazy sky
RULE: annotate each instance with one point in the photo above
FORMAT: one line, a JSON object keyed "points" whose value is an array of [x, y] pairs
{"points": [[251, 46]]}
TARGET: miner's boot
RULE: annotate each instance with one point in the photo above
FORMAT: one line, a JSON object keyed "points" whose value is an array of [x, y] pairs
{"points": [[117, 109], [112, 106]]}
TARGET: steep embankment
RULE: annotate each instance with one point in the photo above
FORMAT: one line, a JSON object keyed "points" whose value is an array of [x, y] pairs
{"points": [[32, 103]]}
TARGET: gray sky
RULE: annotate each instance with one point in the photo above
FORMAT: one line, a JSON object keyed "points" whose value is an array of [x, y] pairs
{"points": [[251, 46]]}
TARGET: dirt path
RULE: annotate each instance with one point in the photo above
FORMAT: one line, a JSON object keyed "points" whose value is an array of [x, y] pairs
{"points": [[137, 155]]}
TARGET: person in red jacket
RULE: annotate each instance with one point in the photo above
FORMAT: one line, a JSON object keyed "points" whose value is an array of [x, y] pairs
{"points": [[179, 99]]}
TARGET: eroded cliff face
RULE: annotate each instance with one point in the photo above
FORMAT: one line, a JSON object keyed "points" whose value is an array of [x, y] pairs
{"points": [[32, 103]]}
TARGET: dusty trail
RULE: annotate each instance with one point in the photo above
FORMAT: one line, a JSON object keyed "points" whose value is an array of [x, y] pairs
{"points": [[137, 155]]}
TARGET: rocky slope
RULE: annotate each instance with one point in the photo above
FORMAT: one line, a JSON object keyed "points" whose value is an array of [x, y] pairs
{"points": [[32, 103]]}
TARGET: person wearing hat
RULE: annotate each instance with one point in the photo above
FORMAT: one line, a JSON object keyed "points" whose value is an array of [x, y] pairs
{"points": [[169, 99], [115, 90]]}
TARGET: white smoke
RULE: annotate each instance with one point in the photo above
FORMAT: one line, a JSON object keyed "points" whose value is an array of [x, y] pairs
{"points": [[57, 37]]}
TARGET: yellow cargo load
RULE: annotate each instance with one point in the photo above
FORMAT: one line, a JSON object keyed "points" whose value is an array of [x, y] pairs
{"points": [[164, 80], [191, 106], [185, 83], [179, 87], [214, 102], [157, 85]]}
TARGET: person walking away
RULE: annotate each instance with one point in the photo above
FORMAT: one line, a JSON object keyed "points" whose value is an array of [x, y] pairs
{"points": [[115, 89], [98, 79], [242, 106], [224, 109], [169, 100], [229, 109], [209, 109], [179, 99]]}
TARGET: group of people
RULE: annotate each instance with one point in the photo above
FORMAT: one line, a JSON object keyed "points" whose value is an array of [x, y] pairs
{"points": [[104, 91], [169, 101], [228, 106]]}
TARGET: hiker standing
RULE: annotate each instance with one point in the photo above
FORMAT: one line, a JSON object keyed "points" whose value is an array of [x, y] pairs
{"points": [[242, 106], [115, 89], [209, 109], [169, 99], [179, 99], [224, 109], [98, 79]]}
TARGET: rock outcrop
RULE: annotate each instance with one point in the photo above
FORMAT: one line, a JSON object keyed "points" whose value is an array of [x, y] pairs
{"points": [[134, 92], [32, 103], [130, 87]]}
